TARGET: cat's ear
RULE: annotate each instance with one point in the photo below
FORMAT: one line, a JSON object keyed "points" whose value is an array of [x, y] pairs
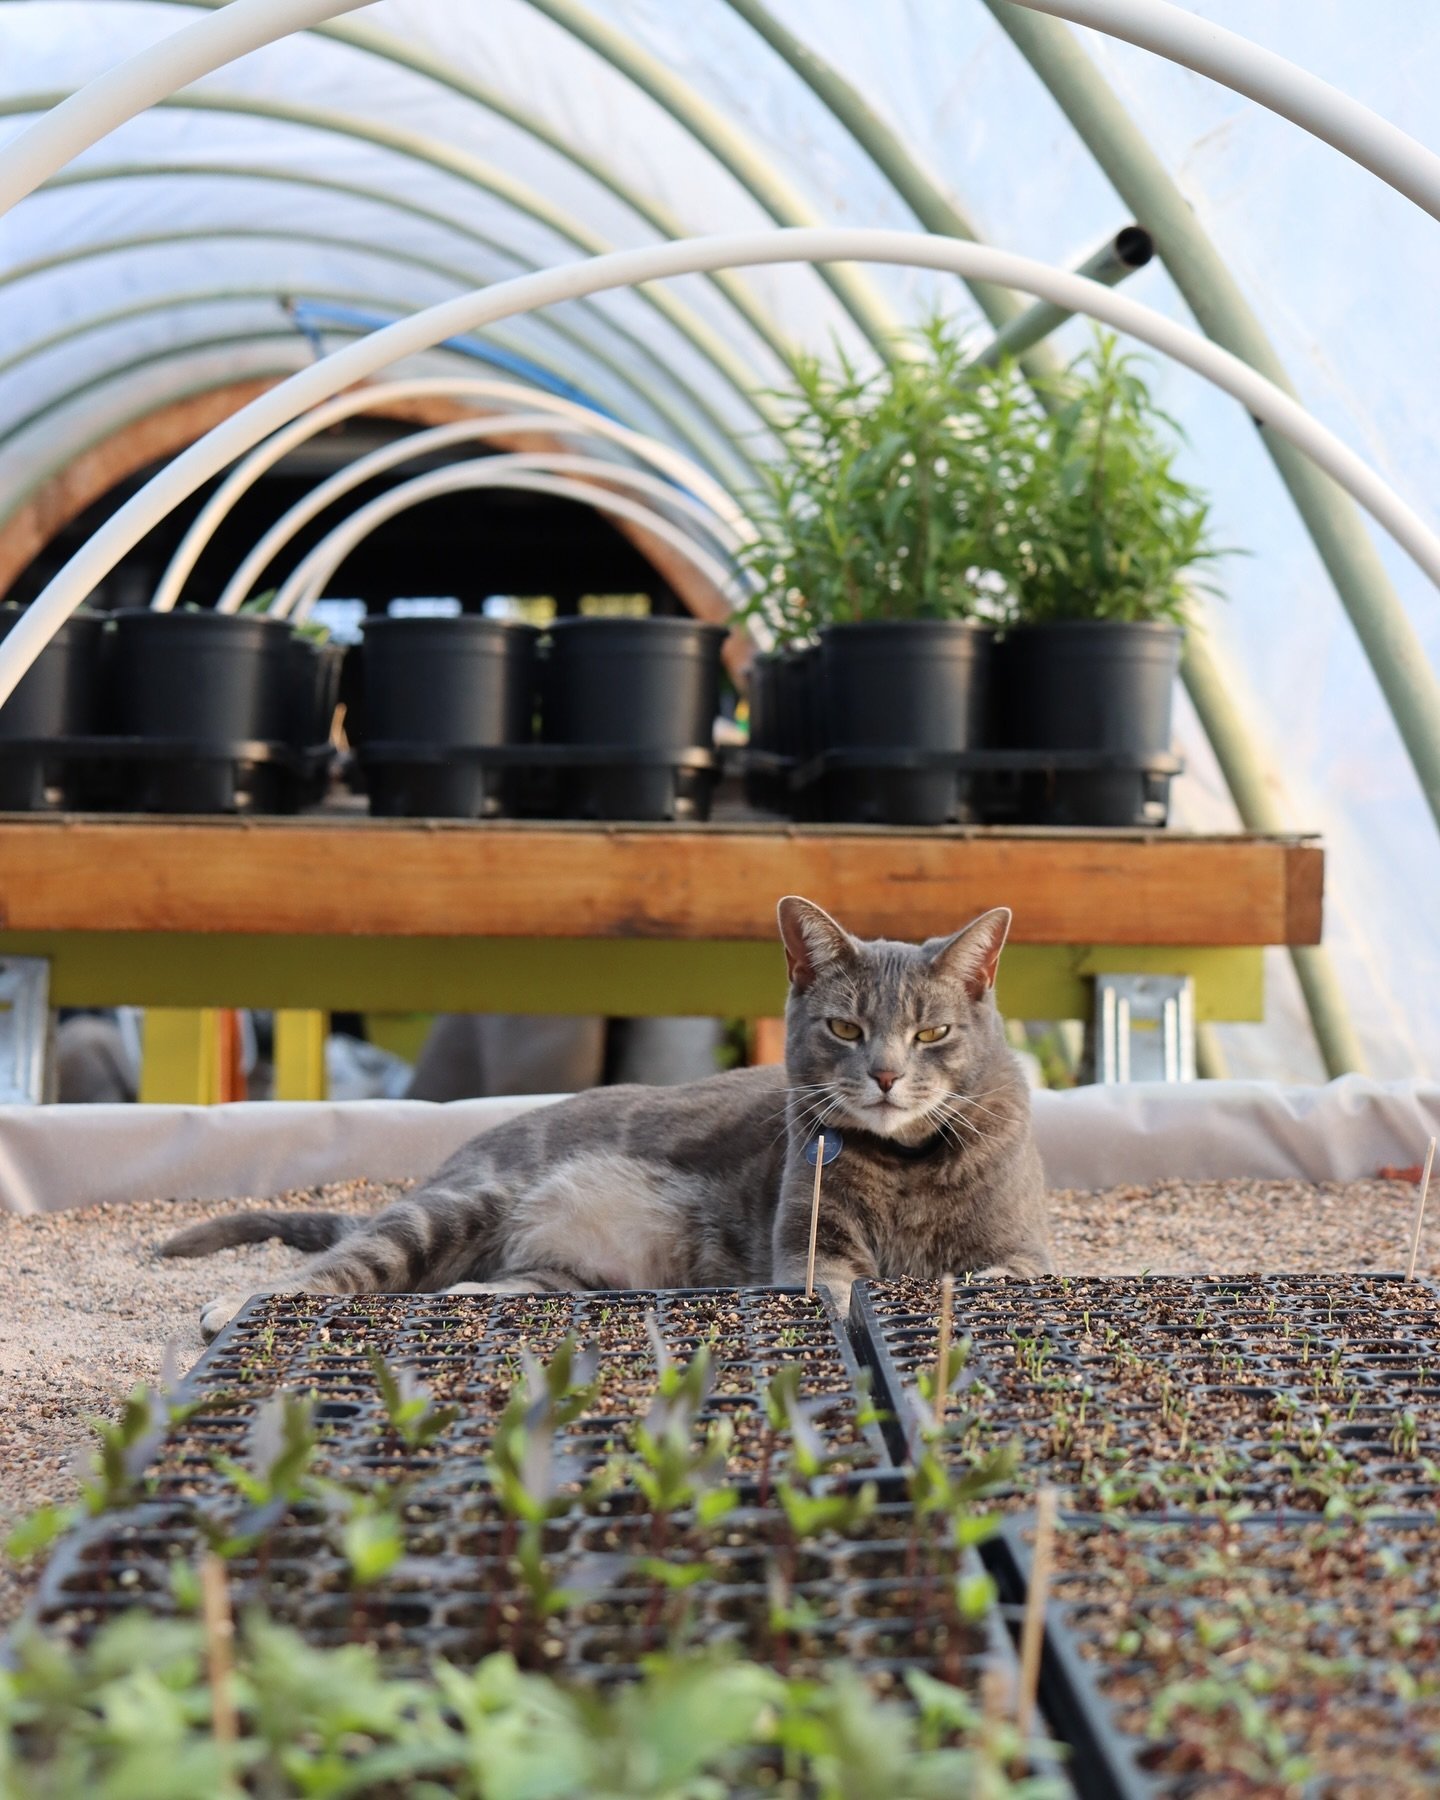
{"points": [[973, 955], [812, 939]]}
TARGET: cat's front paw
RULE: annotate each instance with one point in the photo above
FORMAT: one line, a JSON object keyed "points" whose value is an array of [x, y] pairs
{"points": [[218, 1314]]}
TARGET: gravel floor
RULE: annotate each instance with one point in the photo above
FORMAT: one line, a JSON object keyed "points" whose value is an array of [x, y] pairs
{"points": [[88, 1309]]}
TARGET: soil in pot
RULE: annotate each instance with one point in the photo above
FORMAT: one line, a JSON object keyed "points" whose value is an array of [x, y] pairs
{"points": [[636, 700], [438, 693], [57, 698], [1089, 685], [901, 697], [208, 696]]}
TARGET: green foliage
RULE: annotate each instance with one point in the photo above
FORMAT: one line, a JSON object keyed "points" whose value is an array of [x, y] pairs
{"points": [[933, 489], [129, 1718], [412, 1414], [1104, 528]]}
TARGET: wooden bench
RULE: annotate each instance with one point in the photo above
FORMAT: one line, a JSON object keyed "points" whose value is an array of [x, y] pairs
{"points": [[315, 914]]}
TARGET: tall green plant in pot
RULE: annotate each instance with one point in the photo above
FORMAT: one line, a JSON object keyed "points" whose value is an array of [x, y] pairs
{"points": [[876, 526], [1104, 554]]}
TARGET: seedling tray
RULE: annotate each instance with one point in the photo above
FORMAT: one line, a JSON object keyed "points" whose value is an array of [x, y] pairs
{"points": [[873, 1596], [466, 1351], [1270, 1640], [1165, 1391]]}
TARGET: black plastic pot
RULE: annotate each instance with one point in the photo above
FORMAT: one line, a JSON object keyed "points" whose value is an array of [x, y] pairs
{"points": [[202, 705], [56, 699], [636, 699], [901, 698], [1091, 685], [439, 693]]}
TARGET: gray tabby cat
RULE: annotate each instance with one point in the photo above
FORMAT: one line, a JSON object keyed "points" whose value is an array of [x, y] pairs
{"points": [[895, 1051]]}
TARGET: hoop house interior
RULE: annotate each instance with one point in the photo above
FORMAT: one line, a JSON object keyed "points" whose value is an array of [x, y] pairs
{"points": [[411, 150]]}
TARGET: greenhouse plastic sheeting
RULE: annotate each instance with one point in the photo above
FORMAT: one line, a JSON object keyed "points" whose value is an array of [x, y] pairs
{"points": [[1340, 270], [56, 1157]]}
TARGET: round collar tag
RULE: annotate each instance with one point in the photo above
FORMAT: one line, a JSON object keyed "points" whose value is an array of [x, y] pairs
{"points": [[834, 1144]]}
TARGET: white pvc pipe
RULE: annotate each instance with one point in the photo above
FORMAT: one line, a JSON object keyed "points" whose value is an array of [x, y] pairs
{"points": [[424, 443], [1265, 402], [149, 76], [1401, 161], [305, 584], [421, 387]]}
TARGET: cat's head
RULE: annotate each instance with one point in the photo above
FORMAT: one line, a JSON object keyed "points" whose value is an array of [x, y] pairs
{"points": [[884, 1036]]}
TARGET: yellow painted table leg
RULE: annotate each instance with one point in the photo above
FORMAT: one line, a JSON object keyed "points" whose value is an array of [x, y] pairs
{"points": [[180, 1060], [300, 1055]]}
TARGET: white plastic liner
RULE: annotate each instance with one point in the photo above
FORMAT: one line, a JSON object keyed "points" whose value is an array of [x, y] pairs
{"points": [[56, 1157], [1341, 272]]}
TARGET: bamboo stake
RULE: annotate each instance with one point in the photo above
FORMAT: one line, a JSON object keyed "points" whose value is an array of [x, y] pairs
{"points": [[815, 1216], [1420, 1210], [219, 1640], [1031, 1632], [942, 1355]]}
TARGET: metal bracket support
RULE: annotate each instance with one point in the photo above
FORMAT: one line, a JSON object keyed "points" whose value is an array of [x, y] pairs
{"points": [[1144, 1028], [24, 1029]]}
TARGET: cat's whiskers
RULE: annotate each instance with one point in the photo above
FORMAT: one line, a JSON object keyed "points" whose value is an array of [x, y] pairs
{"points": [[945, 1109], [814, 1112], [811, 1087], [976, 1100]]}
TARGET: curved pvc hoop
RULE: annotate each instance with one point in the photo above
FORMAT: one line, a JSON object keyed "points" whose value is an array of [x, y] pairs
{"points": [[477, 173], [1261, 398], [176, 352], [408, 56], [307, 581], [1401, 161], [424, 443], [147, 78], [401, 203], [716, 428], [420, 387]]}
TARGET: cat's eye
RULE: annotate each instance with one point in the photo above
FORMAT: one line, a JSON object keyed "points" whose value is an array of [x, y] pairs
{"points": [[846, 1030], [932, 1034]]}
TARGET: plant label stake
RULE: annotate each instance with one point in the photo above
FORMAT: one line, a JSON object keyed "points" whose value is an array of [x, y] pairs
{"points": [[1032, 1630], [219, 1637], [1420, 1209], [942, 1355], [815, 1216]]}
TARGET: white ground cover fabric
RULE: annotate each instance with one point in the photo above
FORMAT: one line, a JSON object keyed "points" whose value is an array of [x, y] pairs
{"points": [[54, 1157], [1341, 271]]}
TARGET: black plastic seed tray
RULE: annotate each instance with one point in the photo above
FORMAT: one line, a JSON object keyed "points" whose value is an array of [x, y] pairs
{"points": [[882, 1597], [1277, 1390], [1297, 1636], [466, 1350], [876, 1598]]}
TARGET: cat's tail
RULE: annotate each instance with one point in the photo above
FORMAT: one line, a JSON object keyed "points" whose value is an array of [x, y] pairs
{"points": [[301, 1230]]}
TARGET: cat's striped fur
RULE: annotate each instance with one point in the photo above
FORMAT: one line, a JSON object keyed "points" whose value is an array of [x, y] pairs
{"points": [[706, 1185]]}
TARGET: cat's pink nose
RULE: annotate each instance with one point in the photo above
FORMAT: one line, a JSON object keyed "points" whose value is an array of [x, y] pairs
{"points": [[884, 1079]]}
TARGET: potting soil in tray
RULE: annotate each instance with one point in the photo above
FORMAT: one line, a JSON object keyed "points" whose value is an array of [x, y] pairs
{"points": [[1241, 1658], [466, 1352], [1158, 1391], [879, 1593]]}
